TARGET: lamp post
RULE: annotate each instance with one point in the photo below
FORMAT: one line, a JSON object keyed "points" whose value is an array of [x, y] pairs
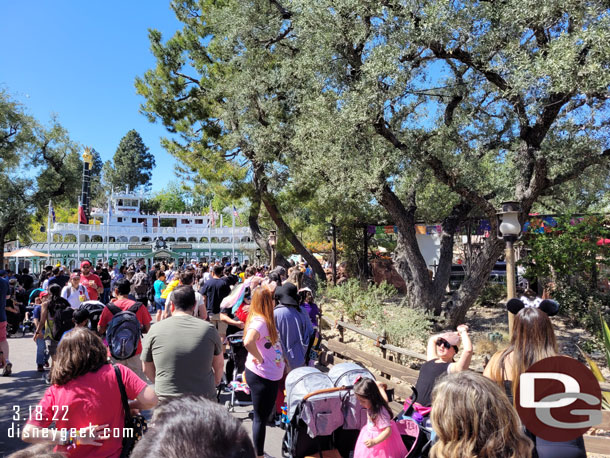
{"points": [[509, 229], [272, 243], [258, 257]]}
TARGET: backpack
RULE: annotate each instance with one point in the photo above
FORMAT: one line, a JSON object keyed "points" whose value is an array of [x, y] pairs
{"points": [[62, 319], [124, 331], [140, 284]]}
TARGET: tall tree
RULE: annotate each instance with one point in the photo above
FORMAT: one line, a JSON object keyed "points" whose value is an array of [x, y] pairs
{"points": [[131, 165], [492, 100], [187, 92]]}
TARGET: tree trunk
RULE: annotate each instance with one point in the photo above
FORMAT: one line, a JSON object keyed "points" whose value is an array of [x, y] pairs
{"points": [[2, 235], [285, 229], [259, 238], [475, 280]]}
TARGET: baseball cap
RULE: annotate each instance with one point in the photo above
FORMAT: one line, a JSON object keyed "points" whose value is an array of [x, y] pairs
{"points": [[85, 263], [43, 294]]}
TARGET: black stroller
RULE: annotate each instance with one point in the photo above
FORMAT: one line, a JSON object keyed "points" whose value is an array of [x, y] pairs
{"points": [[236, 364]]}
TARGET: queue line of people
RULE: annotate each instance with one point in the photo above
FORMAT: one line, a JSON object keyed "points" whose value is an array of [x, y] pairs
{"points": [[276, 334]]}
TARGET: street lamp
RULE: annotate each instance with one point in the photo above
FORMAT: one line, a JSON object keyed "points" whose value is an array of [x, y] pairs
{"points": [[509, 229], [258, 257], [272, 243]]}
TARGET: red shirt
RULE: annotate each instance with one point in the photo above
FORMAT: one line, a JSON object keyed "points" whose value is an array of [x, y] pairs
{"points": [[93, 398], [142, 315], [84, 280]]}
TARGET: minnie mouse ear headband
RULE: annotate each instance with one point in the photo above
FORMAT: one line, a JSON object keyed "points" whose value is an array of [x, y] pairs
{"points": [[548, 306]]}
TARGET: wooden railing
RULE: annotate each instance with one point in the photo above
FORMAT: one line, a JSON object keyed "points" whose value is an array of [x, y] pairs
{"points": [[337, 351]]}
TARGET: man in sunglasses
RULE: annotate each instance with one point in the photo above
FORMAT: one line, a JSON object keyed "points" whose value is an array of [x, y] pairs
{"points": [[442, 349], [90, 281]]}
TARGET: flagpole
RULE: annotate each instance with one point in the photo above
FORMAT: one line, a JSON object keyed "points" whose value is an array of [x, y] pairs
{"points": [[49, 231], [233, 238], [210, 238], [78, 234], [108, 233]]}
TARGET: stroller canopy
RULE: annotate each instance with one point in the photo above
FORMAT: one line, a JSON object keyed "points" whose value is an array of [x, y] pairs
{"points": [[321, 412], [345, 374]]}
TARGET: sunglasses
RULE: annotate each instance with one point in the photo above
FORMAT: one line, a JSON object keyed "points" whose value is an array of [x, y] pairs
{"points": [[444, 343]]}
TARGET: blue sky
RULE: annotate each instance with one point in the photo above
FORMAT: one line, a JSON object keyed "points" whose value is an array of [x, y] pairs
{"points": [[78, 60]]}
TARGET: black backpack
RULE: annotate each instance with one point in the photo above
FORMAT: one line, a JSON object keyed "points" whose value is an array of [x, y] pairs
{"points": [[140, 284], [62, 319], [124, 331]]}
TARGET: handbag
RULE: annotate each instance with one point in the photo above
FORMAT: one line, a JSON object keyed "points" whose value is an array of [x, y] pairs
{"points": [[137, 423]]}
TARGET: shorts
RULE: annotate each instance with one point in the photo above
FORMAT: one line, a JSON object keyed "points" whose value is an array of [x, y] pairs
{"points": [[3, 331], [220, 325], [159, 304], [51, 347]]}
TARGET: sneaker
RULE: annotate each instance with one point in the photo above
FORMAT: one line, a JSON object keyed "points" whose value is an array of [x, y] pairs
{"points": [[47, 378], [8, 369], [40, 368]]}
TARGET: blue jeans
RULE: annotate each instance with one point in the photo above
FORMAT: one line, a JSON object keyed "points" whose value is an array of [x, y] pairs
{"points": [[41, 352], [106, 296]]}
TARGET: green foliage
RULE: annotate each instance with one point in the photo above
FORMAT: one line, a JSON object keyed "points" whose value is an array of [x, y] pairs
{"points": [[131, 165], [581, 304], [491, 294], [568, 249], [373, 307], [176, 198], [402, 324], [357, 300]]}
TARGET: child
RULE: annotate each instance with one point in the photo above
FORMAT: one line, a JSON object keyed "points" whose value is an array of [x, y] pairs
{"points": [[379, 437], [306, 299], [42, 357], [80, 320]]}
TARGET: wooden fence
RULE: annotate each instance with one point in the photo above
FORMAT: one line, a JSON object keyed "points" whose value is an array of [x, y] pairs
{"points": [[337, 351]]}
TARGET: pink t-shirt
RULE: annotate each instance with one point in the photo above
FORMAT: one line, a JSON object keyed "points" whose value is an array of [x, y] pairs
{"points": [[273, 360], [93, 398]]}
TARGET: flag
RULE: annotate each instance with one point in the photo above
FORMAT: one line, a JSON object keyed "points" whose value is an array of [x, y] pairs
{"points": [[82, 217], [212, 217], [51, 212], [236, 214]]}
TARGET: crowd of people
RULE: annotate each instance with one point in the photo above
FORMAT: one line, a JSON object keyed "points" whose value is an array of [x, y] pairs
{"points": [[174, 364]]}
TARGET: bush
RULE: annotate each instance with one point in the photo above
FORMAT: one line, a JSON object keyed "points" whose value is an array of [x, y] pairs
{"points": [[369, 306], [492, 294], [402, 323], [357, 300], [582, 305]]}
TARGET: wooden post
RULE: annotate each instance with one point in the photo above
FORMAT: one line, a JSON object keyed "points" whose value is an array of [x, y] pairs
{"points": [[341, 331], [384, 351]]}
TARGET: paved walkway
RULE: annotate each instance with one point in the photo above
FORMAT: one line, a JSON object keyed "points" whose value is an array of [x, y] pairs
{"points": [[25, 388]]}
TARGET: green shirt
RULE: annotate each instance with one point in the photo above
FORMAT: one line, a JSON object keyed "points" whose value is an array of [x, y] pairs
{"points": [[182, 348]]}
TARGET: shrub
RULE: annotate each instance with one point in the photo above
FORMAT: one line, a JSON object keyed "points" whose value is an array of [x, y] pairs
{"points": [[582, 305], [357, 300], [402, 323], [370, 307], [492, 294]]}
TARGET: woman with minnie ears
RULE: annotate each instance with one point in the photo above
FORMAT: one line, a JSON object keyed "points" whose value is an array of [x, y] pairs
{"points": [[380, 436], [533, 339], [441, 352]]}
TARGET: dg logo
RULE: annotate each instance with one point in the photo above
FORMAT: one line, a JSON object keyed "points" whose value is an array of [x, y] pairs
{"points": [[559, 399]]}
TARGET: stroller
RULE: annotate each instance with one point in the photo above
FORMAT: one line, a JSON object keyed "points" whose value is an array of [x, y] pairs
{"points": [[314, 410], [240, 392], [417, 438], [95, 309], [326, 418], [346, 374]]}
